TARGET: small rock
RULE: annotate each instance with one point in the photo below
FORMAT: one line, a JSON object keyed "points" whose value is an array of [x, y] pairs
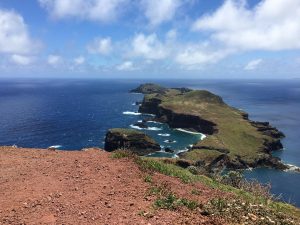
{"points": [[252, 216], [107, 204]]}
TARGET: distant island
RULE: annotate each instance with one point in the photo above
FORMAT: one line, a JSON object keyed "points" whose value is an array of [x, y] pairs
{"points": [[232, 139]]}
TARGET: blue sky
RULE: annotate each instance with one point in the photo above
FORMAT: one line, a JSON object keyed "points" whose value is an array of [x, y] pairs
{"points": [[150, 38]]}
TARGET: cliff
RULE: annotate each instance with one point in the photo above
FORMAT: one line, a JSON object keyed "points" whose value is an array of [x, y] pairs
{"points": [[136, 141], [232, 139]]}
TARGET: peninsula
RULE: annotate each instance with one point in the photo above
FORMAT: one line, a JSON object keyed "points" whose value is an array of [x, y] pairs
{"points": [[233, 140]]}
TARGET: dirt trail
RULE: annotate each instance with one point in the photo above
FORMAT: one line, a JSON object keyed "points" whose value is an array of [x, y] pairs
{"points": [[85, 187]]}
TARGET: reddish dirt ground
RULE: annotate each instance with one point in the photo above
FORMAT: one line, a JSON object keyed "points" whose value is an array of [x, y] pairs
{"points": [[86, 187]]}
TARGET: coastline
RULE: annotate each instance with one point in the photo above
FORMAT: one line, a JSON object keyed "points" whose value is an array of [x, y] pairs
{"points": [[162, 102]]}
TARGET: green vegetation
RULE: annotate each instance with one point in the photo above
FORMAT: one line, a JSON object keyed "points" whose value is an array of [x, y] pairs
{"points": [[166, 199], [149, 88], [172, 202], [229, 130], [148, 178], [235, 134], [252, 200], [207, 156], [121, 153]]}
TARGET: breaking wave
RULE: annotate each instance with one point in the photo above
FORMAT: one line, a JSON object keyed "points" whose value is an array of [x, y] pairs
{"points": [[131, 113]]}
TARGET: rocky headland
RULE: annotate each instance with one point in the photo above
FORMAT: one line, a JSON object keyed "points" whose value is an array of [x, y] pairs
{"points": [[233, 140], [138, 142]]}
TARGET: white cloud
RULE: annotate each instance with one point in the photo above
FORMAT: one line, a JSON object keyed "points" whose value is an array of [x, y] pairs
{"points": [[101, 46], [159, 11], [79, 60], [126, 66], [95, 10], [252, 65], [270, 25], [200, 54], [14, 35], [21, 60], [171, 35], [54, 60], [148, 47]]}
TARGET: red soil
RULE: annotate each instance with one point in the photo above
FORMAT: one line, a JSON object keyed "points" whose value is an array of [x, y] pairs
{"points": [[86, 187]]}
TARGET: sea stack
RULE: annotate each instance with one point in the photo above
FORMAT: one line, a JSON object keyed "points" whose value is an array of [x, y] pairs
{"points": [[130, 139]]}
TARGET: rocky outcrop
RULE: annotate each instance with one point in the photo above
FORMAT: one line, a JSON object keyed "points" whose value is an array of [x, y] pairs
{"points": [[150, 105], [267, 129], [149, 88], [133, 140]]}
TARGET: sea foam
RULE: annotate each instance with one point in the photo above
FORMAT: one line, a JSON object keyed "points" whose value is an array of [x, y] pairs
{"points": [[131, 113], [164, 135], [148, 128], [170, 142], [292, 168], [55, 146], [151, 121]]}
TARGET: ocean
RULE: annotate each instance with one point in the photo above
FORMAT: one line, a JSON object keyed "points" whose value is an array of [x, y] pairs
{"points": [[75, 114]]}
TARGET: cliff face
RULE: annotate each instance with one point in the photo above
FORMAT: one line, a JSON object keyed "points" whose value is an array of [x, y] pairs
{"points": [[186, 121], [241, 142], [130, 139]]}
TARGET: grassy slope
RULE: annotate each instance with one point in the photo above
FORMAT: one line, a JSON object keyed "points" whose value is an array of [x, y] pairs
{"points": [[235, 133], [274, 208]]}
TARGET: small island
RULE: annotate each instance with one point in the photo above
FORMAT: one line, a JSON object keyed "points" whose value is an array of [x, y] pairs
{"points": [[232, 139], [136, 141]]}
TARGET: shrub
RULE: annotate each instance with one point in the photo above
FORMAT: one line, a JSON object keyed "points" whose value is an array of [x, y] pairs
{"points": [[148, 178], [193, 170]]}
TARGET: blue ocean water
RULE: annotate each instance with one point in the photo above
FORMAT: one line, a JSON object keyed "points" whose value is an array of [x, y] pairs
{"points": [[76, 114]]}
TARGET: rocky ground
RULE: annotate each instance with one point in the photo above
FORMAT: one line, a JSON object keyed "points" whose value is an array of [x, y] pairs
{"points": [[88, 187]]}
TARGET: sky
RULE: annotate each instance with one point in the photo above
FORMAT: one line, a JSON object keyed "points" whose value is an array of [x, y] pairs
{"points": [[243, 39]]}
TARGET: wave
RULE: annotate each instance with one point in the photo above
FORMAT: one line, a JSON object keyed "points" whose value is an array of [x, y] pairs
{"points": [[131, 113], [192, 132], [202, 137], [293, 168], [187, 131], [164, 135], [170, 142], [153, 128], [148, 114], [136, 127], [182, 150], [148, 128], [55, 146], [151, 121]]}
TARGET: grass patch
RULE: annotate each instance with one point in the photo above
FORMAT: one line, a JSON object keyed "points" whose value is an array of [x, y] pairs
{"points": [[122, 153], [196, 192], [171, 202], [153, 165], [166, 199], [150, 165], [148, 178]]}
